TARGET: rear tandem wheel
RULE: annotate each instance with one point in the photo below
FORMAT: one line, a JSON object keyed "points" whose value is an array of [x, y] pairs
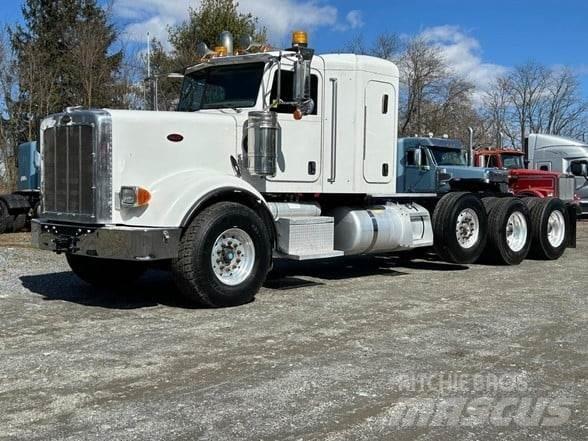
{"points": [[460, 227]]}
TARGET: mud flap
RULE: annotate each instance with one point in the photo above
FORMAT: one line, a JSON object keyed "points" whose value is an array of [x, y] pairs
{"points": [[572, 219]]}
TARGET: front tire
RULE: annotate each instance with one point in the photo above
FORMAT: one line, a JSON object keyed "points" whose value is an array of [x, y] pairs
{"points": [[224, 256], [460, 227], [509, 232], [6, 219], [105, 273]]}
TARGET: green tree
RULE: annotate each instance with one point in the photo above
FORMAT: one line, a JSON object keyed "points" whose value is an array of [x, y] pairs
{"points": [[205, 25], [63, 53]]}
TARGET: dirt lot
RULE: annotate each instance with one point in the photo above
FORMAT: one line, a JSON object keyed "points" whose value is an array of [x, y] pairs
{"points": [[369, 348]]}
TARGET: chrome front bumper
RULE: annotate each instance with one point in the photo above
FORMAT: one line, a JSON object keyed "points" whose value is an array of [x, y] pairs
{"points": [[108, 242]]}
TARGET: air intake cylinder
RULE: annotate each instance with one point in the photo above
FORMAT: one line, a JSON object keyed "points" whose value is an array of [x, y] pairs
{"points": [[263, 141]]}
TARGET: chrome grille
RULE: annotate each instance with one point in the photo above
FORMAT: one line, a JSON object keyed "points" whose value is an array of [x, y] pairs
{"points": [[76, 172], [69, 170]]}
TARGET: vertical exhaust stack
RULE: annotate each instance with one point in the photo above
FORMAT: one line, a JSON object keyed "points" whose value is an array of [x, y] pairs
{"points": [[526, 151], [471, 158]]}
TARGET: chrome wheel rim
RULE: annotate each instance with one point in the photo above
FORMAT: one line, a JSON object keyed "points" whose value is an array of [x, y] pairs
{"points": [[467, 229], [233, 256], [516, 231], [556, 229]]}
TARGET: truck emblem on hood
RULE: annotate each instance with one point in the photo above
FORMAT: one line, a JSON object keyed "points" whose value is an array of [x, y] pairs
{"points": [[175, 137]]}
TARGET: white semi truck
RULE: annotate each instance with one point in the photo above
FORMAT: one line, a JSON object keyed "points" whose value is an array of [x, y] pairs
{"points": [[278, 154], [562, 155]]}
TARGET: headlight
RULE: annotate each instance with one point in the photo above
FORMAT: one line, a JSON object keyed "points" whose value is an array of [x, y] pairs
{"points": [[134, 197]]}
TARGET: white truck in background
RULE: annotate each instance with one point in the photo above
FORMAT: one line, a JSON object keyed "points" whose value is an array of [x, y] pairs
{"points": [[562, 155], [278, 154]]}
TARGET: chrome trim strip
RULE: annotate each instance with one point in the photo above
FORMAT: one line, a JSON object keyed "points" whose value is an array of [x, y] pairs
{"points": [[333, 131]]}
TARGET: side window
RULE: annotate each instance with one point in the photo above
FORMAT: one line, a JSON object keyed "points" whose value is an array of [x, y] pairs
{"points": [[287, 92], [545, 166], [491, 162], [410, 158]]}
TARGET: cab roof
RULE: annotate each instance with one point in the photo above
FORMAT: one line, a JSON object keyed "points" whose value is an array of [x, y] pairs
{"points": [[344, 62], [431, 142], [495, 150]]}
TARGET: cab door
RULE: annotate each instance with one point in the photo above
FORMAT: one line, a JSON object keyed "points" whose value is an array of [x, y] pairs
{"points": [[299, 158], [378, 138], [419, 178]]}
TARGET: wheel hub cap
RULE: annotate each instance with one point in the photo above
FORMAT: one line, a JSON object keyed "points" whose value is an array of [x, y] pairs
{"points": [[467, 229], [233, 256], [516, 231], [556, 229]]}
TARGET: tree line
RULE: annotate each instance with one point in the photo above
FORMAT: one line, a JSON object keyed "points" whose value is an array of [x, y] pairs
{"points": [[70, 52]]}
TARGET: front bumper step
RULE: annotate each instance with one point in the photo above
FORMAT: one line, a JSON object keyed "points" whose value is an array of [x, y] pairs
{"points": [[109, 241]]}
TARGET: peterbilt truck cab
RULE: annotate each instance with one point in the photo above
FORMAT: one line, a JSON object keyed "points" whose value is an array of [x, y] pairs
{"points": [[19, 207], [279, 154], [440, 165], [523, 181]]}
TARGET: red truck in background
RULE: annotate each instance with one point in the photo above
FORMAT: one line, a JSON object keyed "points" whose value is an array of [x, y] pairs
{"points": [[522, 181]]}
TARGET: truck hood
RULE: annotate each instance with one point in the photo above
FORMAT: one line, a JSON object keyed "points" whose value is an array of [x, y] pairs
{"points": [[460, 172], [527, 172]]}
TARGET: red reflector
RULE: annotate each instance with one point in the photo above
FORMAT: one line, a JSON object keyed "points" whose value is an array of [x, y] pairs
{"points": [[175, 137]]}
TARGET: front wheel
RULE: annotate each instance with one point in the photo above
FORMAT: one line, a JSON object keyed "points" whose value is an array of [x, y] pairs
{"points": [[459, 227], [6, 219], [224, 256]]}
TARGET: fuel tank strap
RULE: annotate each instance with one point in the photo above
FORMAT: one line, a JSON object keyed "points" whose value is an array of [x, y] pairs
{"points": [[376, 230]]}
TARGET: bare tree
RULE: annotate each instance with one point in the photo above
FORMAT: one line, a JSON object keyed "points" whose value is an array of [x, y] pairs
{"points": [[563, 111], [534, 98], [422, 72]]}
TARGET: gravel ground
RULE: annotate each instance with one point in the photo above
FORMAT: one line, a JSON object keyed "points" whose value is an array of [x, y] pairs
{"points": [[365, 348]]}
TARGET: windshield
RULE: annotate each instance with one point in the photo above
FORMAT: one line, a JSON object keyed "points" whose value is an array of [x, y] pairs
{"points": [[221, 87], [444, 156], [512, 161]]}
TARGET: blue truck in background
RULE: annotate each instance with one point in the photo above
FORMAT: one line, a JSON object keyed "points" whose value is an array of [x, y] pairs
{"points": [[430, 165], [18, 208]]}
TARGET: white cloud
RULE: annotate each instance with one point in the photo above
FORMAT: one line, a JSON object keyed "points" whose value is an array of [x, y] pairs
{"points": [[278, 16], [463, 54], [282, 16], [355, 19]]}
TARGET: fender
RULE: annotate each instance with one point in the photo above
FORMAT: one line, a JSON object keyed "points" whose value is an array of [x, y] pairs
{"points": [[530, 193], [178, 197], [215, 190]]}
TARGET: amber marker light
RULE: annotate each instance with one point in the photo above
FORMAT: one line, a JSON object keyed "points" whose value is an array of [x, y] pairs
{"points": [[221, 51], [299, 38]]}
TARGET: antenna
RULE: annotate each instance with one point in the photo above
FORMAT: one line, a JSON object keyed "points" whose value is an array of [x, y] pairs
{"points": [[148, 55]]}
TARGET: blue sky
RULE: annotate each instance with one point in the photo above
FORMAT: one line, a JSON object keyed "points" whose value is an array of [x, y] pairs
{"points": [[480, 39]]}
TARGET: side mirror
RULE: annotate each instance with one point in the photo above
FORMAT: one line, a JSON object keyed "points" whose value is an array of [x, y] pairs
{"points": [[579, 169], [418, 157], [301, 87]]}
